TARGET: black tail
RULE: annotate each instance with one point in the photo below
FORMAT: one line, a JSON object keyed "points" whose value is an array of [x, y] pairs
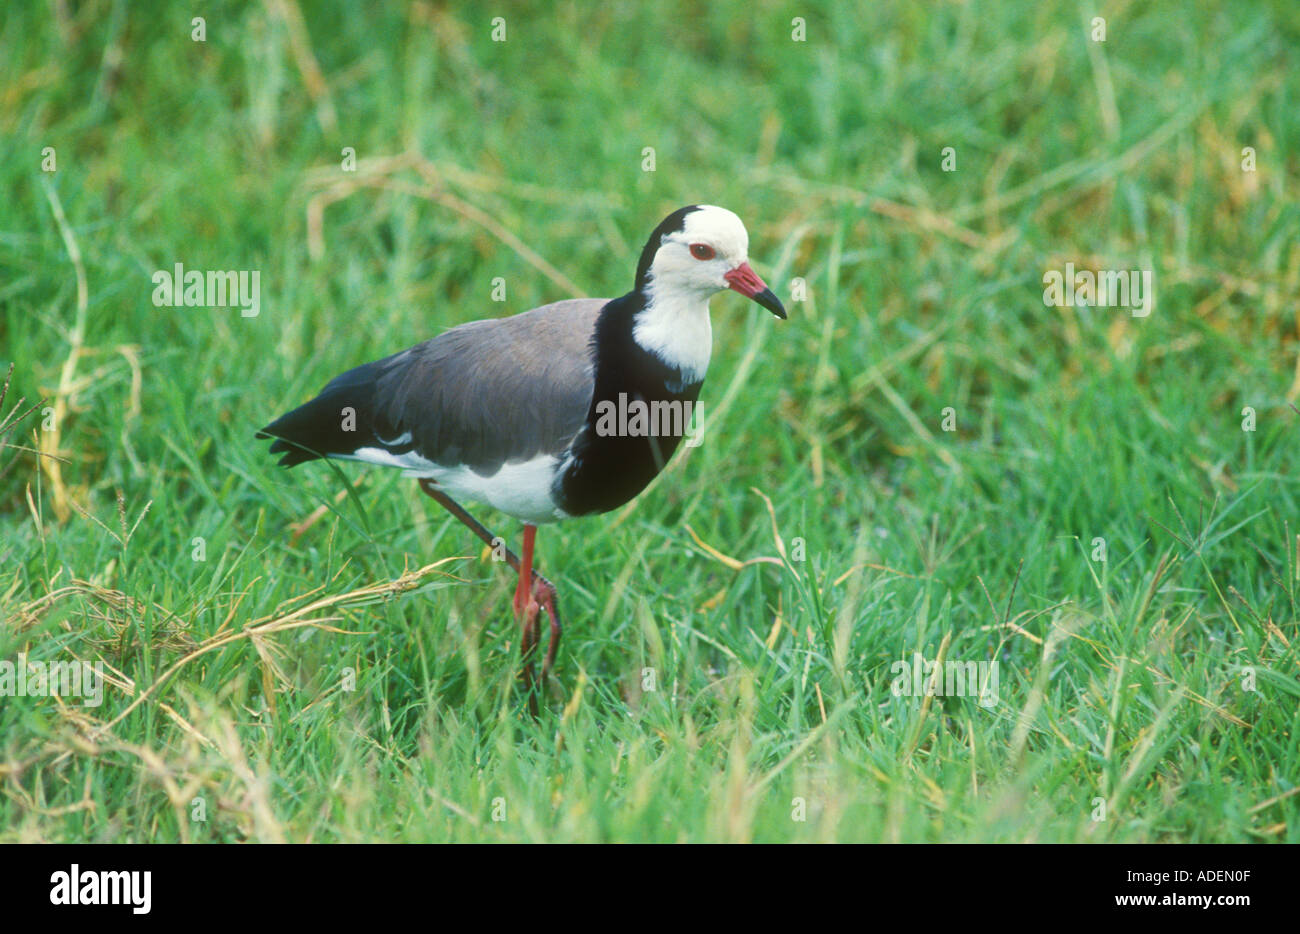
{"points": [[338, 421]]}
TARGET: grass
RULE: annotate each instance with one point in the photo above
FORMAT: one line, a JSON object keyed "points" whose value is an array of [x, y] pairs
{"points": [[267, 676]]}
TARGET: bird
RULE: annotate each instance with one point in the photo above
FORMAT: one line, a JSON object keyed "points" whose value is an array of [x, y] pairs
{"points": [[548, 414]]}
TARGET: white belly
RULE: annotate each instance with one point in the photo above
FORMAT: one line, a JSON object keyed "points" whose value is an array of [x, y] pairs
{"points": [[521, 489]]}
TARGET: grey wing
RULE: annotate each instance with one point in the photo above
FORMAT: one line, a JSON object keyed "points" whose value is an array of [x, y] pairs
{"points": [[491, 392]]}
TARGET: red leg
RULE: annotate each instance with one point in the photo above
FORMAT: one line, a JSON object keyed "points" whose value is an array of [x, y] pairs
{"points": [[526, 608], [532, 592], [535, 591], [524, 590]]}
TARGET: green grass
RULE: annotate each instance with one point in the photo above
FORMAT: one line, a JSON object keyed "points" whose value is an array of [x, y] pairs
{"points": [[1125, 680]]}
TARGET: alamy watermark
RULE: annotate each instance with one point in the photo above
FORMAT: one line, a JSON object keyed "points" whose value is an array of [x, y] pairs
{"points": [[922, 677], [77, 886], [179, 288], [1107, 288], [637, 418], [25, 678]]}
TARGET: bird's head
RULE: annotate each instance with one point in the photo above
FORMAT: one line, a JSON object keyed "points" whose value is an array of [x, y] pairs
{"points": [[702, 250]]}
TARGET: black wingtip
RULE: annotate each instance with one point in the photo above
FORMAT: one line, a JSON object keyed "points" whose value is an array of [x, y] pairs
{"points": [[293, 453]]}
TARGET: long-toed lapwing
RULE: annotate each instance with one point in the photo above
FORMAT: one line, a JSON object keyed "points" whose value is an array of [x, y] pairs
{"points": [[565, 410]]}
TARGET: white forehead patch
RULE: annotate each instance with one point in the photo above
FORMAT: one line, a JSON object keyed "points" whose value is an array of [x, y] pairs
{"points": [[718, 227], [674, 325]]}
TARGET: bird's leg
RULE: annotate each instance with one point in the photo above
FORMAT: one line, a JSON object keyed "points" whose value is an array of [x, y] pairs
{"points": [[528, 635], [524, 589], [532, 593], [526, 606], [478, 528], [540, 591]]}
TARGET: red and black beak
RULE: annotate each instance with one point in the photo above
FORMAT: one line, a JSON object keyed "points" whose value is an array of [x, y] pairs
{"points": [[745, 281]]}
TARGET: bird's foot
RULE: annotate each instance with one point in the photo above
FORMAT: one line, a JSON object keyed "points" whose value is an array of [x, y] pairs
{"points": [[545, 594], [541, 595]]}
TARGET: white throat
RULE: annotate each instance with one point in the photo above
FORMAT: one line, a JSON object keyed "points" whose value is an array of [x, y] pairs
{"points": [[675, 327]]}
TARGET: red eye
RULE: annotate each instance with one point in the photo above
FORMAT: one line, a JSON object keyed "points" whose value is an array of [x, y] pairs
{"points": [[702, 251]]}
